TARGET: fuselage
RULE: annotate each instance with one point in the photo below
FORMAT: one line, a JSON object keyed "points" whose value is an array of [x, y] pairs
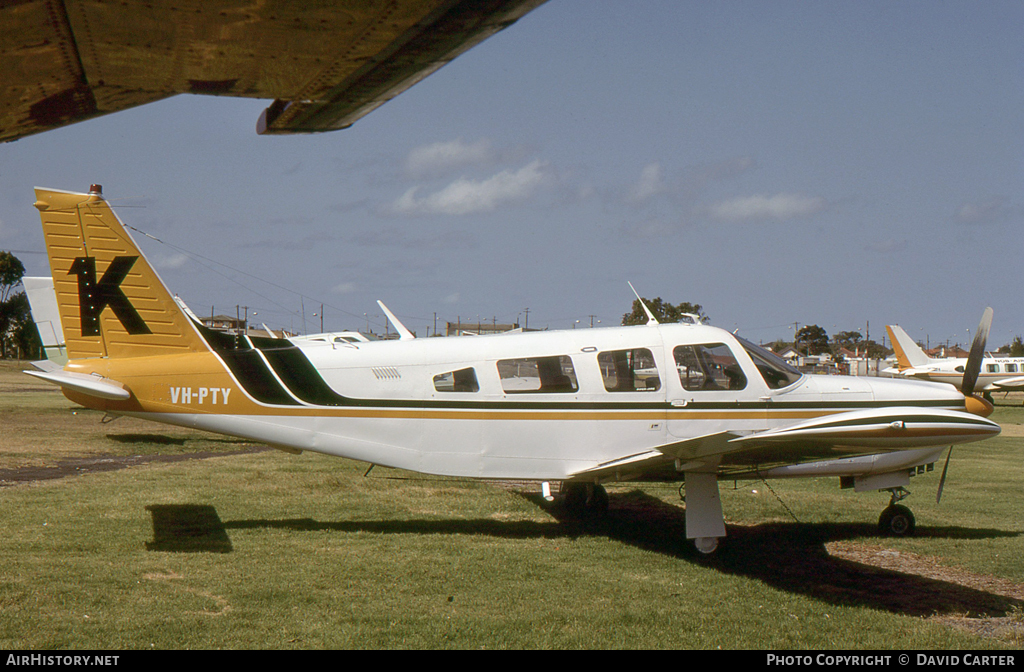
{"points": [[537, 405], [997, 373]]}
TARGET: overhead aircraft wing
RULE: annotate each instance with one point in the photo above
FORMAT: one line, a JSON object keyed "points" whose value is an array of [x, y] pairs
{"points": [[836, 436], [325, 64]]}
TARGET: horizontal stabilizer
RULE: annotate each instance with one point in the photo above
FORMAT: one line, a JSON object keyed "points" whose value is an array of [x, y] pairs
{"points": [[94, 386]]}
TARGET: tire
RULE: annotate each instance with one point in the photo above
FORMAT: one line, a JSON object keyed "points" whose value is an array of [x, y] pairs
{"points": [[896, 521]]}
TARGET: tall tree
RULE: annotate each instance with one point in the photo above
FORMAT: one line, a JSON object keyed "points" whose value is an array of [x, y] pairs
{"points": [[14, 312], [1017, 347], [813, 339], [663, 311]]}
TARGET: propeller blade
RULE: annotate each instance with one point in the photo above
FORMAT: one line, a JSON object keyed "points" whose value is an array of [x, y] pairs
{"points": [[973, 368], [942, 479]]}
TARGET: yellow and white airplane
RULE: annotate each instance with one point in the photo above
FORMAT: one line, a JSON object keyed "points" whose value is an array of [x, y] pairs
{"points": [[998, 374], [684, 402]]}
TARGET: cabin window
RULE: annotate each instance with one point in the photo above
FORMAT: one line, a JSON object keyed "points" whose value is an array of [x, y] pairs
{"points": [[537, 374], [776, 372], [629, 370], [992, 368], [1011, 368], [463, 380], [710, 366]]}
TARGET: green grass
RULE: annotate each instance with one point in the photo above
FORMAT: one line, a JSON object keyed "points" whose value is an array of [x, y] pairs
{"points": [[271, 550]]}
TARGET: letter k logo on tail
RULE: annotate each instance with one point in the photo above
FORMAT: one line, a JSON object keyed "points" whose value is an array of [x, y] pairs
{"points": [[94, 296]]}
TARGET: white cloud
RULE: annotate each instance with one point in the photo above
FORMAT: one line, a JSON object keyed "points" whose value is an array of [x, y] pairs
{"points": [[781, 207], [443, 157], [173, 261], [651, 183], [993, 210], [452, 298], [465, 196], [344, 288]]}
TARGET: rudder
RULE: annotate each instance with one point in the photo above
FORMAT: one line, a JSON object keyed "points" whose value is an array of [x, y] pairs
{"points": [[112, 302]]}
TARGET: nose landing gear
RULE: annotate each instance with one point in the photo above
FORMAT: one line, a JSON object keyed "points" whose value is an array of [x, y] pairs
{"points": [[896, 520]]}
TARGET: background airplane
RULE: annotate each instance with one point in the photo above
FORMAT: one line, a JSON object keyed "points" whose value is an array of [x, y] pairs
{"points": [[43, 303], [998, 374], [325, 64], [582, 407]]}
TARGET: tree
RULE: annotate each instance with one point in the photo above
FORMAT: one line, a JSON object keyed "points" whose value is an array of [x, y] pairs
{"points": [[663, 311], [813, 339], [1017, 347], [14, 310], [11, 272]]}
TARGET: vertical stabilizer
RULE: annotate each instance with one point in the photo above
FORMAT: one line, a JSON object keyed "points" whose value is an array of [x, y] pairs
{"points": [[111, 301], [909, 354]]}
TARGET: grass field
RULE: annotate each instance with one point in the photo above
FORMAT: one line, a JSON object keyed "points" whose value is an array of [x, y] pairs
{"points": [[270, 550]]}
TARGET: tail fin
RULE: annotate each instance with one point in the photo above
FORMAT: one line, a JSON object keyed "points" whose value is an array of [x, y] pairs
{"points": [[111, 301], [909, 354]]}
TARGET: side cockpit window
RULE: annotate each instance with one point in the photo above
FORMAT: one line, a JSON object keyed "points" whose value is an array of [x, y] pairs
{"points": [[777, 373], [463, 380], [537, 374], [629, 370], [708, 366]]}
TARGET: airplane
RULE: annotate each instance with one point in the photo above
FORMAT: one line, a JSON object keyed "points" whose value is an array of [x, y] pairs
{"points": [[42, 304], [325, 64], [998, 374], [567, 407]]}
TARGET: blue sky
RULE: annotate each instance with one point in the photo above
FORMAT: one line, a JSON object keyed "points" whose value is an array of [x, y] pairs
{"points": [[839, 164]]}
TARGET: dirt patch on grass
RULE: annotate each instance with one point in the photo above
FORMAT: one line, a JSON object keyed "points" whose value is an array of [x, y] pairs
{"points": [[1010, 627], [88, 465]]}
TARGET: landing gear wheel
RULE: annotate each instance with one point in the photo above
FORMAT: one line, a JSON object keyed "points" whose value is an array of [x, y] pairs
{"points": [[706, 545], [896, 521], [585, 500]]}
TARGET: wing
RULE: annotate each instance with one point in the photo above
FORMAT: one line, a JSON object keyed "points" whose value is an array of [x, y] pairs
{"points": [[326, 64], [840, 436], [1008, 384]]}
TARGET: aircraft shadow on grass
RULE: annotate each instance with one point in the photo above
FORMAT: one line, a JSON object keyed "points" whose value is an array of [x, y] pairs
{"points": [[787, 556]]}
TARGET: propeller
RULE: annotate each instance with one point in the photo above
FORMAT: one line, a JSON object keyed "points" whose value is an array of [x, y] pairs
{"points": [[972, 370], [942, 479]]}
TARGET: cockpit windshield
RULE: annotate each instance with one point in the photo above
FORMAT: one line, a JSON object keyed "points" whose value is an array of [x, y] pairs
{"points": [[777, 373]]}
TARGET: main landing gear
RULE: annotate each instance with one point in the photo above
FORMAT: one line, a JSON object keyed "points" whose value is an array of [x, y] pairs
{"points": [[896, 520], [585, 500]]}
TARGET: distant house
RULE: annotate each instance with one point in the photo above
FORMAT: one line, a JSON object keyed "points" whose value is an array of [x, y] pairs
{"points": [[942, 352], [235, 325], [477, 328], [223, 322]]}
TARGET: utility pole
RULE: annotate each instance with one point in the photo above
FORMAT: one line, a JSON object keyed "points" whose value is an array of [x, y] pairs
{"points": [[526, 323]]}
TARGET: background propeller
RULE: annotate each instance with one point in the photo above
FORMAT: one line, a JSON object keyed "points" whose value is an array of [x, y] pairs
{"points": [[972, 370]]}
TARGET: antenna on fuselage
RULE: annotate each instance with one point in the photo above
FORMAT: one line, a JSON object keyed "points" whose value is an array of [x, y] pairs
{"points": [[403, 333], [651, 320]]}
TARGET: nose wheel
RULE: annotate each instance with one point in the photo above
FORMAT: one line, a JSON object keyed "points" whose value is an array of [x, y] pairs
{"points": [[896, 520]]}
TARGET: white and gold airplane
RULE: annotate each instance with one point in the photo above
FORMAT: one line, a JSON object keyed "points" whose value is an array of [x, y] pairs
{"points": [[997, 374], [684, 402]]}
